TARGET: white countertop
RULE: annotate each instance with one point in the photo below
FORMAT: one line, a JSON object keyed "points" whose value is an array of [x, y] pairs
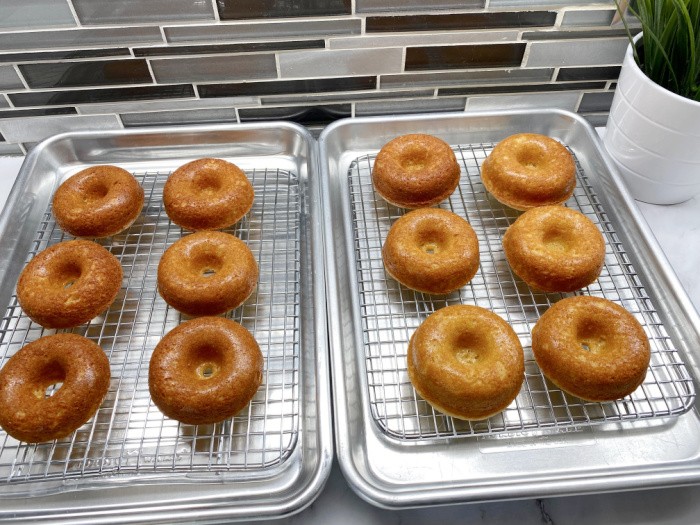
{"points": [[677, 228]]}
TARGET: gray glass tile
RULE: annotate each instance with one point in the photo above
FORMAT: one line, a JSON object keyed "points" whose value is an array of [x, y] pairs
{"points": [[570, 35], [311, 85], [248, 47], [41, 112], [174, 118], [527, 88], [137, 11], [4, 103], [596, 102], [9, 79], [237, 9], [342, 62], [457, 21], [373, 6], [464, 57], [11, 150], [89, 96], [209, 69], [307, 115], [2, 139], [588, 17], [563, 100], [346, 97], [65, 54], [467, 78], [86, 73], [399, 107], [34, 14], [539, 3], [413, 39], [23, 41], [34, 129], [608, 51], [246, 31], [596, 119], [167, 105]]}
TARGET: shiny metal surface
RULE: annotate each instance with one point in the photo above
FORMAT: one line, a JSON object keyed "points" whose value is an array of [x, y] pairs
{"points": [[129, 462], [395, 450]]}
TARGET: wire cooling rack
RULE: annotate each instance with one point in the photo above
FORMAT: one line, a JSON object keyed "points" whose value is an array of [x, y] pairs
{"points": [[390, 313], [129, 435]]}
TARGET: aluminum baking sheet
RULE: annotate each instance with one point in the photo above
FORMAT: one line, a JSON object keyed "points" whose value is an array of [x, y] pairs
{"points": [[270, 459], [409, 454]]}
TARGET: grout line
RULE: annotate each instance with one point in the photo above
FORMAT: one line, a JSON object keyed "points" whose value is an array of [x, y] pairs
{"points": [[217, 18], [74, 12], [150, 71], [21, 76]]}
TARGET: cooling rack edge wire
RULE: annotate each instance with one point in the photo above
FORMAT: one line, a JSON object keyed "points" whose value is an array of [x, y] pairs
{"points": [[129, 439], [389, 313]]}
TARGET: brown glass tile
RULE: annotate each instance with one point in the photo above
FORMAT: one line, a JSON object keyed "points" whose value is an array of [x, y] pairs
{"points": [[249, 47], [90, 73], [43, 112], [568, 74], [308, 115], [64, 54], [463, 57], [531, 88], [461, 21], [285, 87], [596, 102], [239, 10], [87, 96]]}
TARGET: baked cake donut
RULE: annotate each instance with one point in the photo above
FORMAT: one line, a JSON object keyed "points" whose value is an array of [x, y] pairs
{"points": [[466, 362], [415, 171], [431, 250], [207, 194], [99, 201], [591, 348], [207, 273], [26, 412], [205, 370], [528, 170], [69, 283], [554, 249]]}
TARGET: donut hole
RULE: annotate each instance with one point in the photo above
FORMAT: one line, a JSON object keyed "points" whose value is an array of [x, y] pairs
{"points": [[49, 380], [206, 361], [207, 181], [207, 264], [414, 158], [557, 239], [67, 273], [430, 239], [530, 156], [469, 347], [590, 336], [96, 189]]}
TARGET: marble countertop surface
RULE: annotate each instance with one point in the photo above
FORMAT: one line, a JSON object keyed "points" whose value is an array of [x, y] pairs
{"points": [[677, 229]]}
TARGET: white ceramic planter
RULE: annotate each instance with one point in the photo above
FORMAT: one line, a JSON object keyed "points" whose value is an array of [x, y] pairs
{"points": [[654, 137]]}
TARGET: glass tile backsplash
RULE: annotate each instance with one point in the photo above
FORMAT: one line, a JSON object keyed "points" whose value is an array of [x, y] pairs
{"points": [[102, 64]]}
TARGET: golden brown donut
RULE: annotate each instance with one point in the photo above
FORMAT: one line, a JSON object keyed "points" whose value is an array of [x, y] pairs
{"points": [[205, 370], [554, 249], [591, 348], [431, 250], [466, 362], [415, 171], [98, 202], [207, 194], [528, 170], [69, 283], [26, 413], [207, 273]]}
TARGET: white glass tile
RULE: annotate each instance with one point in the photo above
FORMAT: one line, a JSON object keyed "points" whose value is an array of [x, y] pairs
{"points": [[78, 38], [304, 64], [169, 118], [34, 129], [422, 39], [34, 14], [589, 52], [398, 107], [9, 79], [137, 11], [561, 100]]}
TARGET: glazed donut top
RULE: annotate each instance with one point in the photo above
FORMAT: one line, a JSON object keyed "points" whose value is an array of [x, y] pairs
{"points": [[207, 194], [73, 360], [431, 250], [555, 249], [99, 201], [69, 283], [592, 348], [528, 170], [466, 361], [415, 171]]}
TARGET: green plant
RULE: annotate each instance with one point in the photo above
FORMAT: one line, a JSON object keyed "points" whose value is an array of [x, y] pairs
{"points": [[669, 50]]}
